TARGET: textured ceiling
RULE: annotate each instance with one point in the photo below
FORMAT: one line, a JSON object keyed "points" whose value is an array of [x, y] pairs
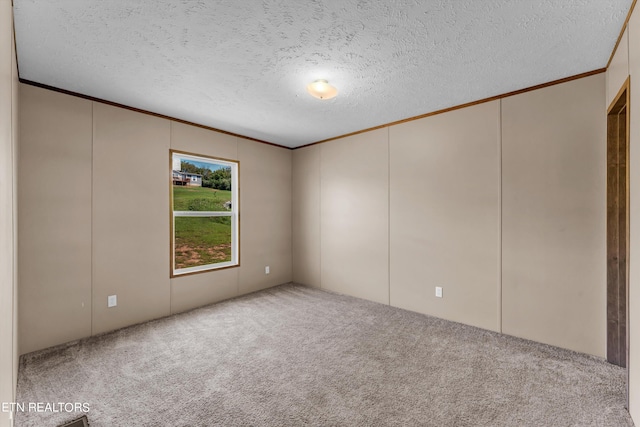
{"points": [[242, 65]]}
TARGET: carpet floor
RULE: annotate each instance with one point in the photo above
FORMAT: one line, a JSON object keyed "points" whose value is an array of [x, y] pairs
{"points": [[298, 356]]}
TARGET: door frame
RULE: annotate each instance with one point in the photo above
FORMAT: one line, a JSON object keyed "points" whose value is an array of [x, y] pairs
{"points": [[618, 124]]}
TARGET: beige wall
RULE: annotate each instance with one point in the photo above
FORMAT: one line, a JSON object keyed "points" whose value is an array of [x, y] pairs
{"points": [[554, 215], [552, 274], [634, 223], [445, 215], [618, 69], [306, 215], [354, 215], [265, 212], [55, 218], [449, 225], [265, 218], [192, 291], [8, 217], [130, 217], [109, 232]]}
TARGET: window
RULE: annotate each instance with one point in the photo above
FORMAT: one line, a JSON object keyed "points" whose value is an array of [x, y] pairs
{"points": [[204, 213]]}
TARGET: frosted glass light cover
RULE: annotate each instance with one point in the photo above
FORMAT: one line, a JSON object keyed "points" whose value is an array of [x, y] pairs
{"points": [[321, 89]]}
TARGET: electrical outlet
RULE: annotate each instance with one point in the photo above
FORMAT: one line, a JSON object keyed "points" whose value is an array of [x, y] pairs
{"points": [[439, 291], [266, 270], [112, 300]]}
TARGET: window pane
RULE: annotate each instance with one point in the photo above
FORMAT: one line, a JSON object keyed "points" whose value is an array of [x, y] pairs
{"points": [[188, 198], [201, 185], [205, 205], [202, 241]]}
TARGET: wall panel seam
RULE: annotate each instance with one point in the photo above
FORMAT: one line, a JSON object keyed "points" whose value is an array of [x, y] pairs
{"points": [[93, 126], [237, 144], [291, 240], [389, 215], [171, 223], [500, 142], [320, 217]]}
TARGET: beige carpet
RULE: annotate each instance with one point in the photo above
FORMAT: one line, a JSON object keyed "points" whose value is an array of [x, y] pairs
{"points": [[296, 356]]}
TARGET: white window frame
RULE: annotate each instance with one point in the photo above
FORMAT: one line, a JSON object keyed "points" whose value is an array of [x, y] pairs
{"points": [[234, 214]]}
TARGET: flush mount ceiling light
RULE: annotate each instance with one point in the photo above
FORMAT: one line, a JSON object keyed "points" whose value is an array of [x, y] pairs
{"points": [[321, 89]]}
